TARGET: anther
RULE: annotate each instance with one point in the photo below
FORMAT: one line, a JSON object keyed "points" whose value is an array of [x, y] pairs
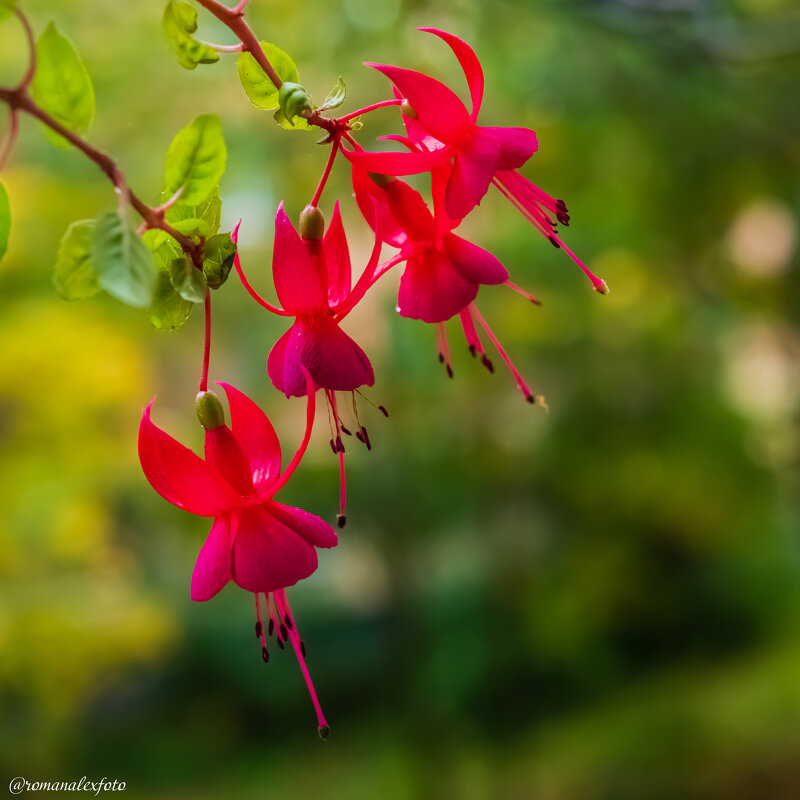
{"points": [[265, 655], [530, 398], [366, 438], [441, 358], [563, 218], [258, 629], [344, 430], [554, 242], [341, 520], [449, 371], [288, 621], [324, 732], [284, 632], [360, 436], [271, 628], [383, 411], [562, 205], [333, 447], [487, 363], [303, 648], [339, 444], [473, 351]]}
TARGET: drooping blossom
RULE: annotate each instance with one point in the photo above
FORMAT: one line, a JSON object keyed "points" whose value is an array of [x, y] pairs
{"points": [[442, 133], [255, 541], [312, 276]]}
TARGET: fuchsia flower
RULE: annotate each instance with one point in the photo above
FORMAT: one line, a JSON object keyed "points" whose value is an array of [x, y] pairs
{"points": [[255, 541]]}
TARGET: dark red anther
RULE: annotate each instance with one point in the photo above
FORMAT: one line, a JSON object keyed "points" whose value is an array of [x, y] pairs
{"points": [[264, 655], [284, 632], [563, 219], [561, 204], [271, 628], [258, 629], [341, 520], [530, 398], [449, 371], [333, 447], [487, 363], [360, 436], [345, 431], [366, 438], [441, 358], [288, 620], [554, 242], [339, 444], [383, 411], [303, 648], [473, 351]]}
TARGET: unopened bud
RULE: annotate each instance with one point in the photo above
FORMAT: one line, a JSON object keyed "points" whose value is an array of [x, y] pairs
{"points": [[209, 410], [293, 100], [381, 180], [312, 224], [408, 109]]}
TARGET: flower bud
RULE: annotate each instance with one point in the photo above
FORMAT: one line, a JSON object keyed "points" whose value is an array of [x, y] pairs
{"points": [[408, 109], [312, 224], [381, 180], [293, 100], [209, 410]]}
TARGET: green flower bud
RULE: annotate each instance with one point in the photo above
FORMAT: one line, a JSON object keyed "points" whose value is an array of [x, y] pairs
{"points": [[381, 180], [408, 109], [294, 101], [312, 224], [209, 410]]}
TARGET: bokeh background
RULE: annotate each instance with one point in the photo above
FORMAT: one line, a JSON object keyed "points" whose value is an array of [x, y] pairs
{"points": [[596, 602]]}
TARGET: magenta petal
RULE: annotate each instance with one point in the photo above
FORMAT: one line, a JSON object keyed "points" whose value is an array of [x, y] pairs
{"points": [[284, 360], [255, 435], [267, 555], [312, 528], [212, 570], [469, 63], [517, 145], [372, 203], [433, 290], [337, 259], [473, 170], [473, 262], [334, 360], [181, 476], [298, 284], [396, 163], [438, 109]]}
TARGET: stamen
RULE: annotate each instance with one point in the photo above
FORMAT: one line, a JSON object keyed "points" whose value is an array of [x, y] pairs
{"points": [[288, 622], [521, 291], [345, 431], [258, 629], [365, 438], [523, 387], [444, 347], [265, 654], [598, 283], [470, 334]]}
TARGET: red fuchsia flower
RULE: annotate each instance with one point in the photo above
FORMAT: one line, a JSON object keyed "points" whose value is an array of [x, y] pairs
{"points": [[312, 278], [258, 543], [443, 271], [442, 132]]}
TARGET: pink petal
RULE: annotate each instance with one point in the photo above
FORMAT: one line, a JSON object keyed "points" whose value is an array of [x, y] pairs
{"points": [[517, 145], [267, 555], [212, 570], [337, 259], [438, 109], [475, 164], [255, 435], [369, 196], [181, 476], [298, 284], [312, 528], [469, 63], [433, 290], [410, 210], [473, 262], [334, 360], [224, 453], [283, 363], [395, 163]]}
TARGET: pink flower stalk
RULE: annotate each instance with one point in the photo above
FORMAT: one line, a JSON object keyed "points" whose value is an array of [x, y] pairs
{"points": [[258, 543]]}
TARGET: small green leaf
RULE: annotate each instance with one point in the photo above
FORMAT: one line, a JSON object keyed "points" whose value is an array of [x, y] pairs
{"points": [[125, 267], [169, 310], [178, 24], [189, 283], [218, 259], [62, 85], [74, 276], [195, 161], [336, 96], [193, 227], [297, 123], [5, 220], [209, 211], [257, 85]]}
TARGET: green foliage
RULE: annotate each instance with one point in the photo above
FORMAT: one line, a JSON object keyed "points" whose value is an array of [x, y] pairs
{"points": [[189, 282], [178, 24], [336, 96], [124, 265], [74, 276], [195, 161], [5, 220], [208, 211], [169, 310], [218, 260], [296, 123], [62, 85], [257, 84]]}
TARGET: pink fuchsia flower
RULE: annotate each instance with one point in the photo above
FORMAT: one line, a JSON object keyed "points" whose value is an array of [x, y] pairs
{"points": [[258, 543]]}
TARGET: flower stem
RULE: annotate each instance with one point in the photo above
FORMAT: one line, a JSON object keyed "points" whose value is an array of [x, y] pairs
{"points": [[326, 174], [366, 109], [206, 343]]}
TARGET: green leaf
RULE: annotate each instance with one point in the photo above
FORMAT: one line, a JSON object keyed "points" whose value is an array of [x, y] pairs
{"points": [[74, 276], [178, 24], [5, 220], [257, 85], [193, 227], [208, 211], [189, 283], [337, 95], [297, 123], [169, 310], [218, 259], [62, 85], [195, 161], [124, 265]]}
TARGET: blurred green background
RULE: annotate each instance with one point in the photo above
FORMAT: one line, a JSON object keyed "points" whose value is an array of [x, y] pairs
{"points": [[596, 602]]}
